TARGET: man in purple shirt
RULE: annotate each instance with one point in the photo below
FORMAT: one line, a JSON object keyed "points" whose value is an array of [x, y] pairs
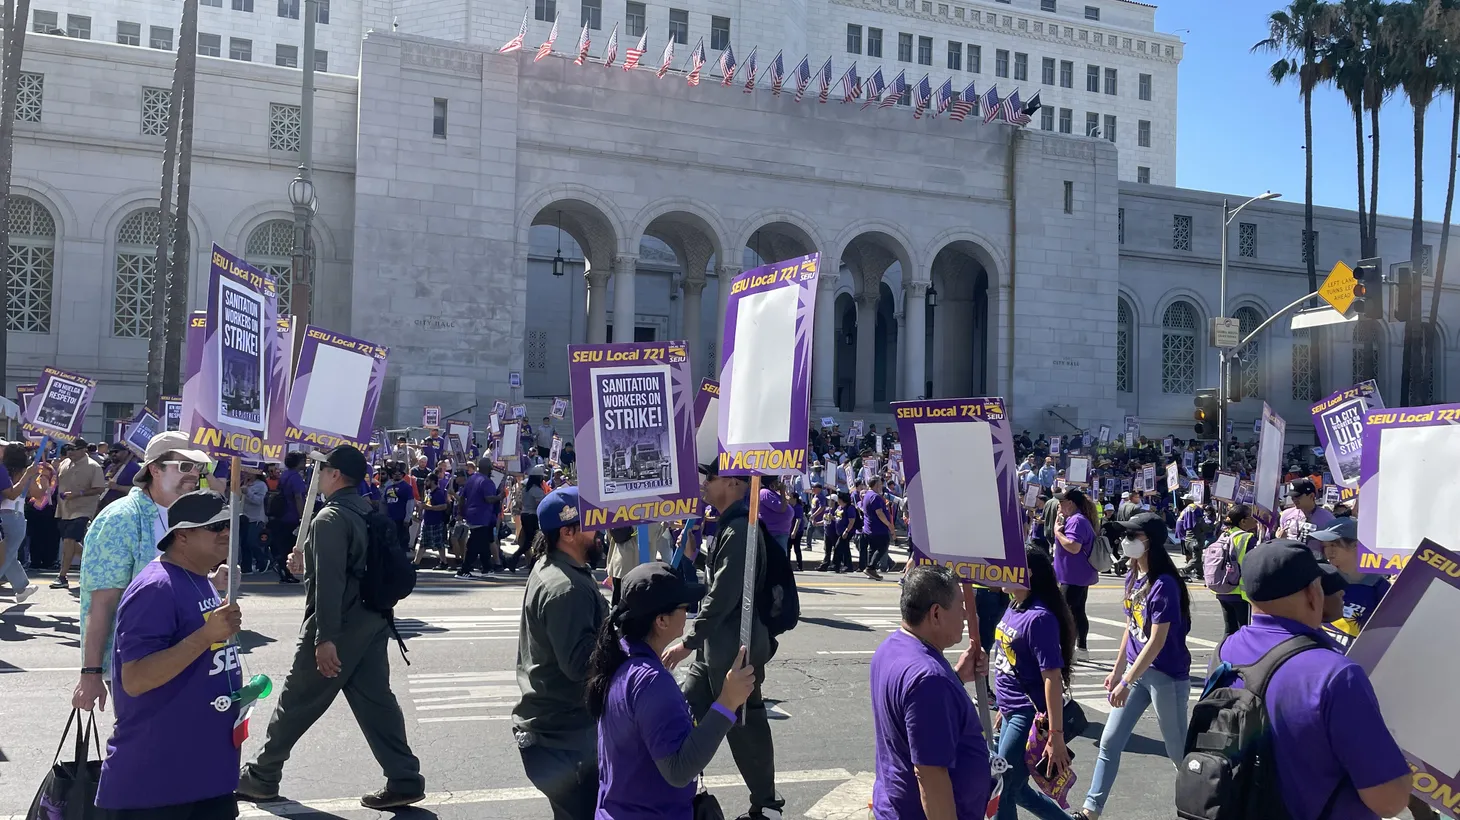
{"points": [[480, 505], [1301, 520], [876, 528], [432, 448], [1330, 745]]}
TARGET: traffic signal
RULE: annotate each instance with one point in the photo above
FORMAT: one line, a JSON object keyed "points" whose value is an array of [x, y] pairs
{"points": [[1369, 288], [1403, 293], [1206, 414], [1234, 378]]}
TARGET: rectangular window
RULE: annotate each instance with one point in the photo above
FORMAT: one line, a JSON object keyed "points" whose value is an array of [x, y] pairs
{"points": [[243, 5], [854, 39], [975, 58], [217, 4], [874, 42], [321, 61], [1092, 79], [1069, 197], [113, 412], [1067, 120], [591, 14], [1143, 175], [545, 10], [1046, 71], [1145, 87], [438, 118], [925, 51], [1048, 5], [155, 103], [634, 19], [679, 26], [286, 56], [1001, 63], [129, 34], [1067, 74], [904, 47], [209, 45], [719, 33], [1247, 239], [160, 37], [955, 56], [30, 97], [1046, 118], [43, 22], [323, 15], [1092, 124], [1143, 133], [1021, 66], [283, 127], [289, 9], [78, 27], [1092, 13], [1180, 232], [240, 49], [1111, 86], [1110, 127]]}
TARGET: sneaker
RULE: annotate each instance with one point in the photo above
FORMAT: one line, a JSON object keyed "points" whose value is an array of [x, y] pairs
{"points": [[21, 596], [388, 799], [289, 579], [1082, 655], [761, 814], [60, 583], [249, 788], [872, 573]]}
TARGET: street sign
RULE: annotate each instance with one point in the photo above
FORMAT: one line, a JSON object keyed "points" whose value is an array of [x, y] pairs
{"points": [[1225, 333], [1338, 289], [1318, 317]]}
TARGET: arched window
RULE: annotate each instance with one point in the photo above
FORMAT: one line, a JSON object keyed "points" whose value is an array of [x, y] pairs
{"points": [[136, 270], [32, 265], [1124, 347], [1303, 366], [1251, 355], [1368, 334], [270, 248], [1178, 348]]}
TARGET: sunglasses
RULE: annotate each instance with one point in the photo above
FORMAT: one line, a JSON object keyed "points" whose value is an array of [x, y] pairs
{"points": [[183, 466], [217, 526]]}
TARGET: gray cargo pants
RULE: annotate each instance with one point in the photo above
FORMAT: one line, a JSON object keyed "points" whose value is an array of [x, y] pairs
{"points": [[750, 739]]}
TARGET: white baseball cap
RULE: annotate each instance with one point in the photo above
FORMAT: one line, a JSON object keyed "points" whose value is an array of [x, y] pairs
{"points": [[172, 441]]}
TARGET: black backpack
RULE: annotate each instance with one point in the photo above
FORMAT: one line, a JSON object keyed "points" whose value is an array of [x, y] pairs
{"points": [[390, 576], [1229, 771], [776, 601], [275, 505]]}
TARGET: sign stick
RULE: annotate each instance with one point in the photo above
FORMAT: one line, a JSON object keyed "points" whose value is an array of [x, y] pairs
{"points": [[235, 505], [308, 512], [752, 549], [981, 683]]}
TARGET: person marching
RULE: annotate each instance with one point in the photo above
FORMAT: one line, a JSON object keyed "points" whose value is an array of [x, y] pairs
{"points": [[1153, 665], [650, 749], [1074, 530], [1224, 558], [1364, 591]]}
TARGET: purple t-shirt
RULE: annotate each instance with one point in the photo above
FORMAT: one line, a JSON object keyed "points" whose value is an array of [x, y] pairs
{"points": [[1359, 600], [645, 718], [1293, 518], [431, 448], [396, 496], [1326, 724], [1148, 603], [477, 511], [774, 513], [924, 717], [5, 481], [170, 745], [438, 496], [1075, 567], [871, 524], [291, 484], [1026, 644]]}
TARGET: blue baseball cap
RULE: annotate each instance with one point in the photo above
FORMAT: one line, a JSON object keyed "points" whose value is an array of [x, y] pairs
{"points": [[558, 509]]}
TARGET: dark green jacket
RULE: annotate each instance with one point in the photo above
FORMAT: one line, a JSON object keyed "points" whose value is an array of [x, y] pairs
{"points": [[561, 613], [334, 563], [715, 631]]}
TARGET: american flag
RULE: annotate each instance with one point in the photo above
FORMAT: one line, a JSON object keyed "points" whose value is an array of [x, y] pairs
{"points": [[896, 90], [1014, 110], [728, 66], [696, 62], [547, 47], [965, 103], [666, 60], [875, 87], [803, 77], [631, 57], [851, 85], [750, 71], [944, 98], [582, 46], [778, 74], [515, 44], [922, 95], [991, 104], [611, 53], [825, 74]]}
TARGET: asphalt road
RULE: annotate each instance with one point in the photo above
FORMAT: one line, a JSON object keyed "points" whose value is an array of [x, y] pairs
{"points": [[458, 692]]}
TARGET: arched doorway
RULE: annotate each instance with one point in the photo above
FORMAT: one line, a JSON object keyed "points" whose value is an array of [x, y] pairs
{"points": [[958, 323], [845, 396], [876, 262], [570, 247], [676, 285]]}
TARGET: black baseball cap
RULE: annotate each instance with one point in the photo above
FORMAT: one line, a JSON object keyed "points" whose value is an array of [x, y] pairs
{"points": [[198, 508], [1301, 486], [1153, 525], [1333, 581], [1278, 569], [349, 461], [653, 589]]}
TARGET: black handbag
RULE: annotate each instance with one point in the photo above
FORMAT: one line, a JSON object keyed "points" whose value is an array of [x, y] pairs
{"points": [[706, 807], [68, 791]]}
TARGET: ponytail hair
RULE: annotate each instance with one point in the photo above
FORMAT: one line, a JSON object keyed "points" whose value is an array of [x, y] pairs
{"points": [[608, 655]]}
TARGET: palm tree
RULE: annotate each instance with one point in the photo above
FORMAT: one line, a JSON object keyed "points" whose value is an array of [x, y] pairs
{"points": [[1447, 19], [177, 278], [13, 17], [1343, 62]]}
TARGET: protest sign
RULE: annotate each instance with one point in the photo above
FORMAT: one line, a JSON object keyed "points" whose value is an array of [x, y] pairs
{"points": [[1257, 425], [1130, 439], [1054, 445], [1188, 462], [1126, 485], [1339, 422], [499, 408], [1079, 470], [494, 425], [336, 390], [519, 411], [894, 460], [23, 394], [1148, 478], [1198, 492], [707, 422], [234, 404], [1247, 494], [58, 408], [560, 408], [633, 420], [171, 413], [877, 443], [1330, 494], [855, 431], [509, 443], [1173, 477], [139, 431], [827, 422], [1133, 425], [1407, 452], [1031, 496], [959, 459], [555, 453], [461, 432], [431, 416], [1166, 446], [514, 379], [1269, 474], [1104, 434], [849, 475]]}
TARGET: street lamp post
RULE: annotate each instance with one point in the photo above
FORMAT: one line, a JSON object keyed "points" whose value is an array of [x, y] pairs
{"points": [[301, 188], [1228, 214]]}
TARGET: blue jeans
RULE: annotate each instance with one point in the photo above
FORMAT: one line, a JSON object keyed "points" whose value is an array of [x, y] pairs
{"points": [[12, 524], [1170, 696], [1013, 739]]}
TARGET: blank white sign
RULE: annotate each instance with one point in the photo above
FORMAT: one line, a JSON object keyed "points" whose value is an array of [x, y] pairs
{"points": [[510, 439], [960, 488], [1226, 486], [1409, 460], [762, 367], [707, 437], [337, 387], [1417, 672], [1079, 471], [1269, 466]]}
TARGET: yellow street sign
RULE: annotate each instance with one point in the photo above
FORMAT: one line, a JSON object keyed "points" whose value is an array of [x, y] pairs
{"points": [[1338, 289]]}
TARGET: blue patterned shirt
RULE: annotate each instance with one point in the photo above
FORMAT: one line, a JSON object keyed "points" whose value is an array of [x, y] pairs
{"points": [[120, 542]]}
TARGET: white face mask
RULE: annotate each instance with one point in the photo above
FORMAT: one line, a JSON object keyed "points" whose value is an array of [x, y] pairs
{"points": [[1133, 548]]}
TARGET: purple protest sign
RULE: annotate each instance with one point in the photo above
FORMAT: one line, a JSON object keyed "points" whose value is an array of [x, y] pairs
{"points": [[58, 408], [765, 376], [336, 390], [1339, 421], [139, 431], [633, 420], [707, 422], [1408, 652], [234, 403], [171, 412], [1407, 453], [958, 455]]}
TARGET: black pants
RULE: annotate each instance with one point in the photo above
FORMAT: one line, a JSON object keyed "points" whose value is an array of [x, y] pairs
{"points": [[843, 555], [479, 544], [861, 551], [281, 543], [526, 532], [794, 542], [1076, 596], [403, 534], [1235, 613], [224, 807], [877, 546], [568, 778]]}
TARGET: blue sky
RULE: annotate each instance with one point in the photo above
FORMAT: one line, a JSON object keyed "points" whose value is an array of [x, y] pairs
{"points": [[1240, 134]]}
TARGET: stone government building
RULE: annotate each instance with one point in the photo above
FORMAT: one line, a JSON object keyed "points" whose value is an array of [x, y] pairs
{"points": [[1022, 261]]}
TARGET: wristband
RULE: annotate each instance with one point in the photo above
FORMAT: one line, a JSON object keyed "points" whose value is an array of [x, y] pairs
{"points": [[718, 707], [91, 670]]}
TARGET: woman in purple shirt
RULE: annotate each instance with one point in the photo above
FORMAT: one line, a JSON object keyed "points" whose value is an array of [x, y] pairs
{"points": [[1153, 665], [1075, 535], [649, 749]]}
